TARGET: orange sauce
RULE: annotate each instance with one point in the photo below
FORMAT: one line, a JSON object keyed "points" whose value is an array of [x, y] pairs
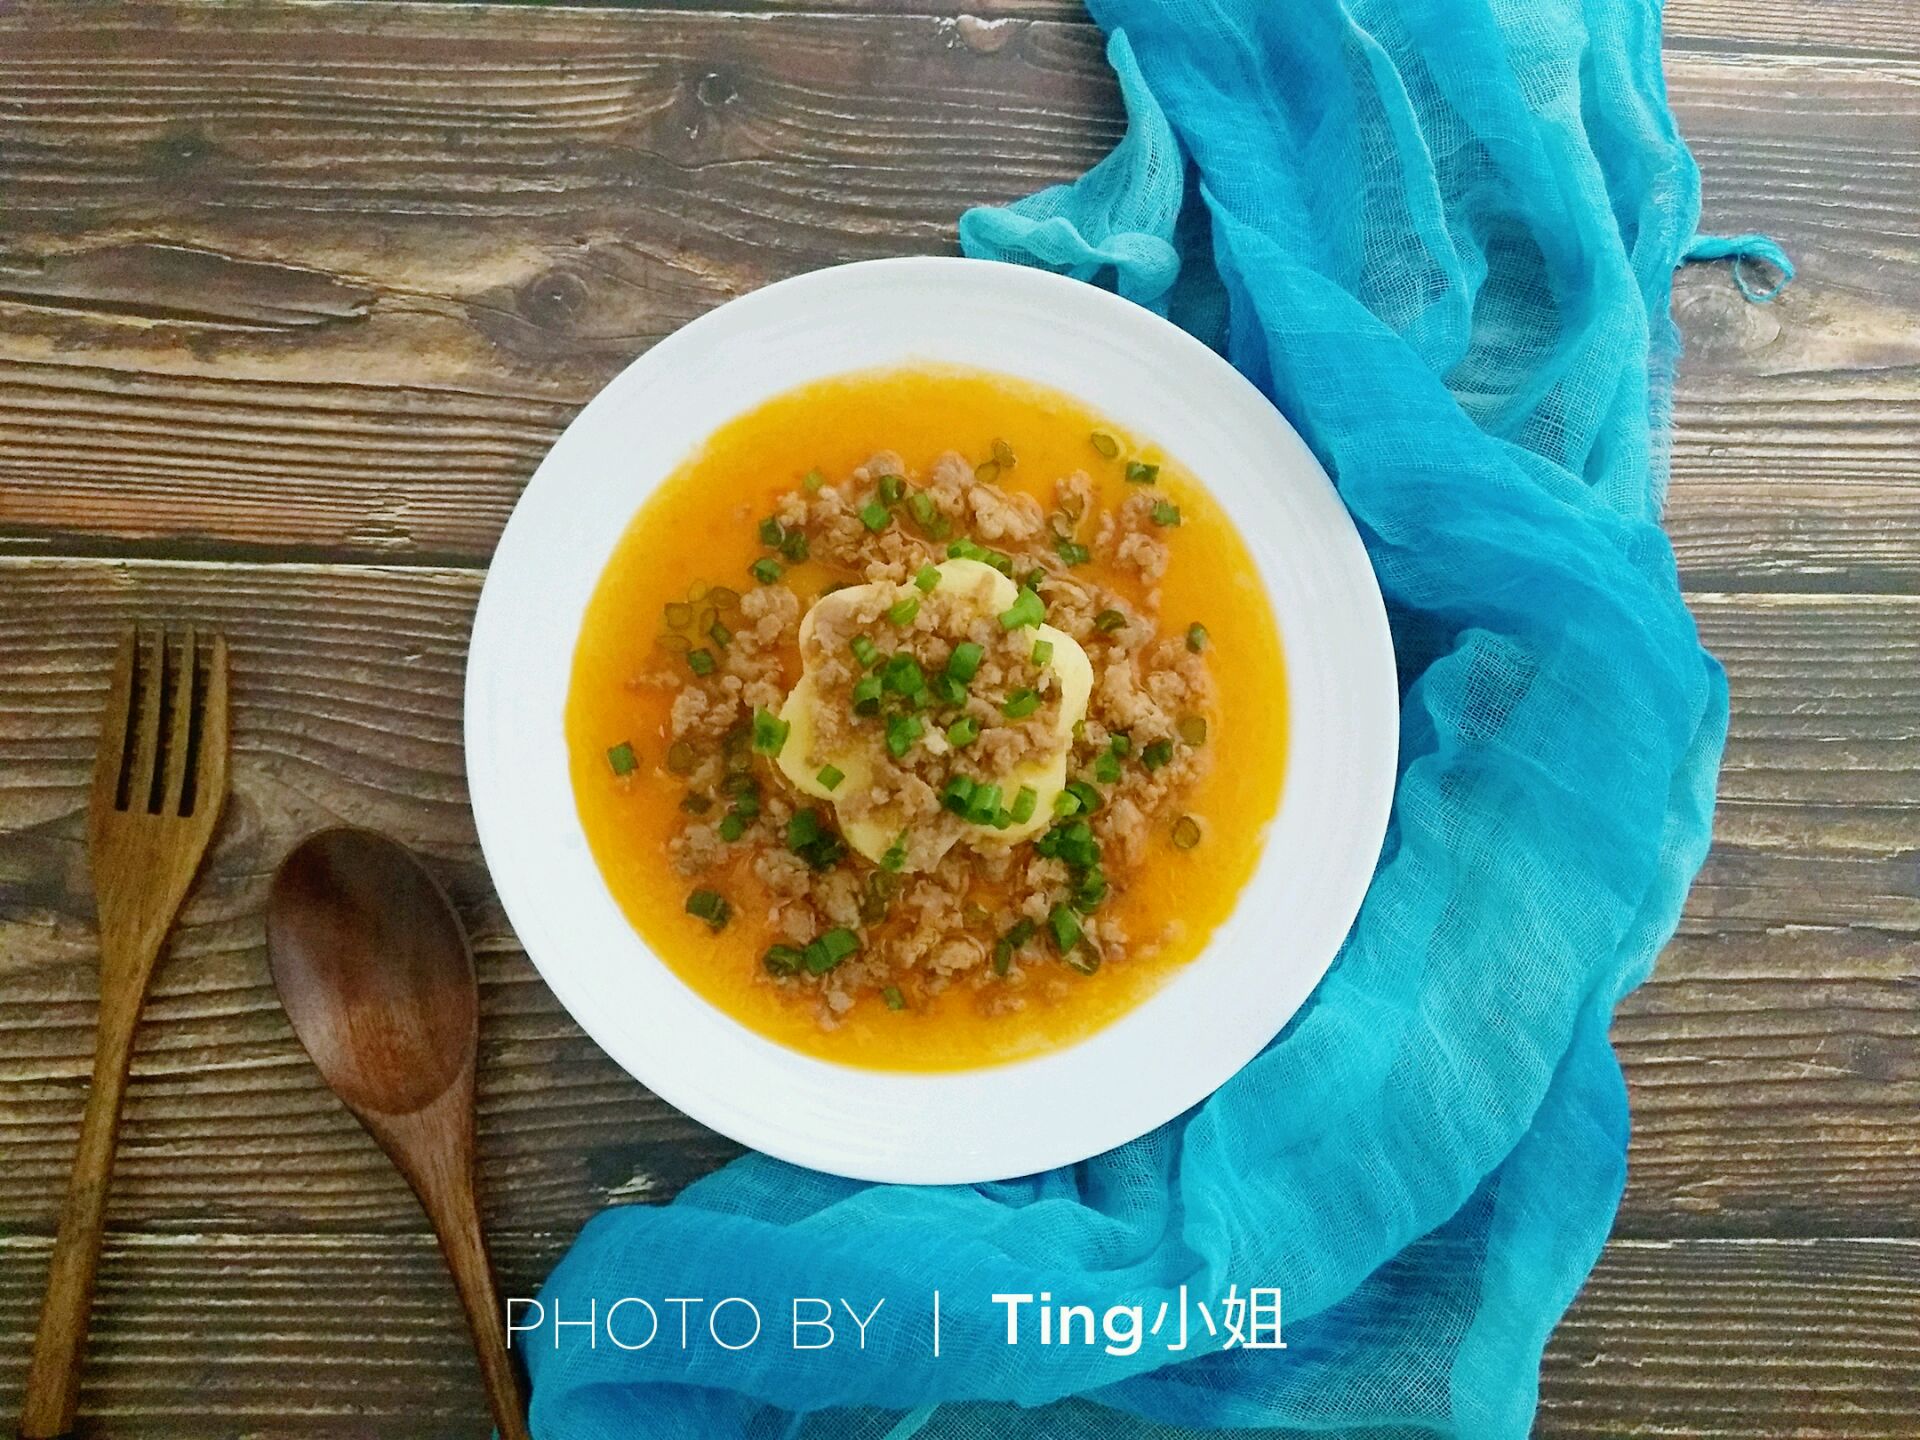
{"points": [[700, 526]]}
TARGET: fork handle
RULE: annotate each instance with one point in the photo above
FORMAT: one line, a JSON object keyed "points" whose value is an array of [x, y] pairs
{"points": [[53, 1377]]}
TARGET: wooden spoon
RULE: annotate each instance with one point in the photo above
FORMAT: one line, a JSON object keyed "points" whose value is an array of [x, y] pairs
{"points": [[376, 976]]}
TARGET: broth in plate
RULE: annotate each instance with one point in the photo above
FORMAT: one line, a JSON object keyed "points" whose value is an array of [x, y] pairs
{"points": [[924, 720]]}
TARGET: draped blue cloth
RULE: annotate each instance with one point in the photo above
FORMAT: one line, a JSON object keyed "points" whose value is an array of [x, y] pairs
{"points": [[1440, 235]]}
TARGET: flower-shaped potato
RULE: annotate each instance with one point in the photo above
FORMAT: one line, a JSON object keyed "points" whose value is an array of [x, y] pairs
{"points": [[934, 712]]}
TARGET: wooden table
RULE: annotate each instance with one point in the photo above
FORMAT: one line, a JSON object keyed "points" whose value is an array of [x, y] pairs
{"points": [[293, 297]]}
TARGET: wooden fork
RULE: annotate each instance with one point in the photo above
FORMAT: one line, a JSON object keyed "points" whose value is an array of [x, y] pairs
{"points": [[159, 782]]}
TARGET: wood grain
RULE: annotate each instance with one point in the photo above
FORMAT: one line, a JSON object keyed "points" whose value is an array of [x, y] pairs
{"points": [[1782, 1023], [300, 1336], [343, 313]]}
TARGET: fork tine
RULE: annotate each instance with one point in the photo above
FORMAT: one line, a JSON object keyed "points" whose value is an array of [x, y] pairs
{"points": [[210, 758], [180, 726], [146, 737], [111, 757]]}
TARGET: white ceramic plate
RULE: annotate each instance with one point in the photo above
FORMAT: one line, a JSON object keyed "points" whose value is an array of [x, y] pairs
{"points": [[1211, 1017]]}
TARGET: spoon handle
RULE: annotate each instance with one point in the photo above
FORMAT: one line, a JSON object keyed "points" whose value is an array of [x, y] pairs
{"points": [[456, 1219]]}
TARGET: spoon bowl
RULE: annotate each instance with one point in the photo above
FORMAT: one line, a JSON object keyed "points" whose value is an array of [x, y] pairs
{"points": [[377, 979]]}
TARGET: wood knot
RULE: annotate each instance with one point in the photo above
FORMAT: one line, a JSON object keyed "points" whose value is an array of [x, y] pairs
{"points": [[555, 300], [715, 89]]}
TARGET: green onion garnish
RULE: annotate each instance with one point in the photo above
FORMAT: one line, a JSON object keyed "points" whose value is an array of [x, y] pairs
{"points": [[700, 661], [1120, 743], [1107, 621], [902, 674], [1008, 944], [963, 731], [622, 759], [988, 473], [769, 732], [1165, 514], [1023, 805], [1020, 704], [719, 634], [947, 690], [999, 560], [813, 480], [866, 695], [964, 663], [1065, 805], [1090, 890], [983, 804], [822, 954], [874, 515], [1003, 453], [710, 906], [1186, 833], [901, 612], [1106, 768], [1043, 652], [926, 579], [892, 487], [1027, 609], [1072, 552], [902, 731], [958, 791], [894, 858], [830, 777], [1196, 637], [695, 803], [893, 998], [1065, 926], [865, 651], [770, 532], [781, 959], [803, 829], [920, 505], [766, 570], [809, 837], [1141, 473], [795, 547], [1105, 444], [731, 827], [1159, 753], [965, 549], [1088, 797], [1192, 729]]}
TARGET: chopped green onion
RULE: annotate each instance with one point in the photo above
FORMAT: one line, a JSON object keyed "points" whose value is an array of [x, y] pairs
{"points": [[963, 731], [1083, 962], [1003, 453], [1065, 926], [813, 480], [1043, 652], [769, 732], [766, 570], [965, 549], [1026, 609], [1088, 797], [746, 797], [710, 906], [920, 505], [866, 695], [700, 661], [1020, 704], [1192, 729], [865, 651], [901, 612], [719, 634], [1120, 743], [1141, 473], [964, 663], [892, 487], [695, 803], [947, 690], [622, 759], [902, 731], [1090, 890], [927, 577], [770, 532], [894, 858], [723, 597], [1065, 805], [874, 515], [1186, 833], [803, 829], [1159, 753], [830, 777], [999, 560], [678, 614], [902, 674], [809, 837], [988, 473], [782, 960], [731, 827], [1165, 514], [1107, 621], [893, 998], [1034, 578], [1105, 444], [1106, 768], [1010, 943], [1072, 552], [1023, 805], [958, 791], [1196, 637], [795, 546], [983, 804], [828, 950]]}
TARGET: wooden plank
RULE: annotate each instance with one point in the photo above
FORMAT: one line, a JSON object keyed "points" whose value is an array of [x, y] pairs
{"points": [[323, 1335], [1782, 1025], [344, 313]]}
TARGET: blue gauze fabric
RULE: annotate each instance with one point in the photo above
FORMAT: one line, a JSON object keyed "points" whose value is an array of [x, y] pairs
{"points": [[1440, 235]]}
